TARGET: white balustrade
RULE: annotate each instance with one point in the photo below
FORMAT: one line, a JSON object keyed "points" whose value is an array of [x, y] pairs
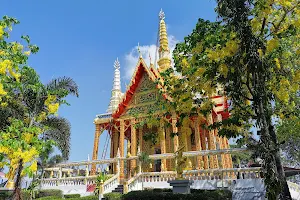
{"points": [[111, 183]]}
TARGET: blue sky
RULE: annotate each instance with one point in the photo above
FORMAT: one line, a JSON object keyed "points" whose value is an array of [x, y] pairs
{"points": [[81, 39]]}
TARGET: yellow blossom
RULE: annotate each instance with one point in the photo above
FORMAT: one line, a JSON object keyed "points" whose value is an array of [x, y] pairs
{"points": [[2, 91], [6, 64], [277, 63], [1, 31], [223, 70], [42, 116], [232, 46], [4, 104], [27, 53], [184, 63], [33, 166], [260, 53], [50, 99], [28, 137], [272, 44], [53, 108]]}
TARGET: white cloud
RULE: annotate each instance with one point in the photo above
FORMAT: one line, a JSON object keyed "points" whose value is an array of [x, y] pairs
{"points": [[131, 58]]}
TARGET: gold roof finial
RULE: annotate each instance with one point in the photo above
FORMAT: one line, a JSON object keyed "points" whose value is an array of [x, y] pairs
{"points": [[139, 50], [164, 61]]}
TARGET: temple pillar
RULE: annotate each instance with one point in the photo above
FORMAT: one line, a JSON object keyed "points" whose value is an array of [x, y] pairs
{"points": [[175, 132], [213, 159], [198, 144], [115, 147], [121, 146], [162, 143], [227, 156], [96, 146], [204, 147], [141, 138], [133, 144], [111, 152], [223, 156], [168, 148]]}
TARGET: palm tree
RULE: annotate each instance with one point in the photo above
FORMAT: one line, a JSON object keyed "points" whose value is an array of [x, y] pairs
{"points": [[29, 102]]}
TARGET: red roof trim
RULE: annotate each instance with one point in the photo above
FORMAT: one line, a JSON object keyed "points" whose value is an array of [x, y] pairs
{"points": [[129, 93]]}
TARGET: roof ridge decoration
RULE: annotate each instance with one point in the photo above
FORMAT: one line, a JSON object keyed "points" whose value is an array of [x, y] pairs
{"points": [[116, 93]]}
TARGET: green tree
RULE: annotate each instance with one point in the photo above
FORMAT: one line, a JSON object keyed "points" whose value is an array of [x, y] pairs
{"points": [[288, 133], [251, 56], [29, 123]]}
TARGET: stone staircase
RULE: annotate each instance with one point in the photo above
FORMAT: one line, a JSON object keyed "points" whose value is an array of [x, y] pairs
{"points": [[119, 189]]}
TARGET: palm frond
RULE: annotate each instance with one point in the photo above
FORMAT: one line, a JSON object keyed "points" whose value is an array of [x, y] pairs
{"points": [[60, 132], [63, 85]]}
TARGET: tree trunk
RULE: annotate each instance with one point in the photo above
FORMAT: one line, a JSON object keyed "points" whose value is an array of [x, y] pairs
{"points": [[17, 191], [286, 191], [267, 131]]}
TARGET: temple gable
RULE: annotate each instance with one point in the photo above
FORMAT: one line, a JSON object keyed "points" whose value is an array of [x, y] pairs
{"points": [[144, 97]]}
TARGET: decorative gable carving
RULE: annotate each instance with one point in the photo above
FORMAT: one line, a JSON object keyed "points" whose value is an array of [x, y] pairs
{"points": [[145, 95]]}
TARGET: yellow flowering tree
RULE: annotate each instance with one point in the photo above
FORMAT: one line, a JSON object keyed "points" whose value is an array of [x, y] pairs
{"points": [[29, 124], [251, 56]]}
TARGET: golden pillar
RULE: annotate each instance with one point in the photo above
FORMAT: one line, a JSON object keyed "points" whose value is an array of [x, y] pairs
{"points": [[121, 145], [175, 131], [162, 143], [198, 144], [203, 145], [227, 156], [96, 146], [115, 146], [213, 159], [223, 156], [175, 139], [141, 138], [168, 147], [133, 144]]}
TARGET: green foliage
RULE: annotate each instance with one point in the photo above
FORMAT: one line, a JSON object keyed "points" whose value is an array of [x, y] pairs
{"points": [[68, 196], [168, 195], [113, 196], [151, 136], [5, 195], [50, 198], [86, 198], [288, 133], [102, 177], [250, 56], [47, 193]]}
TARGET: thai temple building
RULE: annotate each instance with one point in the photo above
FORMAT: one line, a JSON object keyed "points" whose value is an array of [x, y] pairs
{"points": [[141, 96], [208, 156]]}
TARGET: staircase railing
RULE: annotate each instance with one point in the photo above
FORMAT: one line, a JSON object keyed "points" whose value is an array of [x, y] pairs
{"points": [[111, 183], [133, 183]]}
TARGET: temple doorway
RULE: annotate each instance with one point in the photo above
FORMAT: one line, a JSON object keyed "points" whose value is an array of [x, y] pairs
{"points": [[157, 163]]}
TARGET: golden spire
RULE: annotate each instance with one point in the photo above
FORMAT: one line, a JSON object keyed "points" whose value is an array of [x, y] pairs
{"points": [[164, 61]]}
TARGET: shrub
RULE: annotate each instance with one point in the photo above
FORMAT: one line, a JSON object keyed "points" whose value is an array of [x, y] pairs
{"points": [[68, 196], [92, 197], [113, 196], [52, 193], [50, 198], [5, 194], [26, 195], [161, 195]]}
